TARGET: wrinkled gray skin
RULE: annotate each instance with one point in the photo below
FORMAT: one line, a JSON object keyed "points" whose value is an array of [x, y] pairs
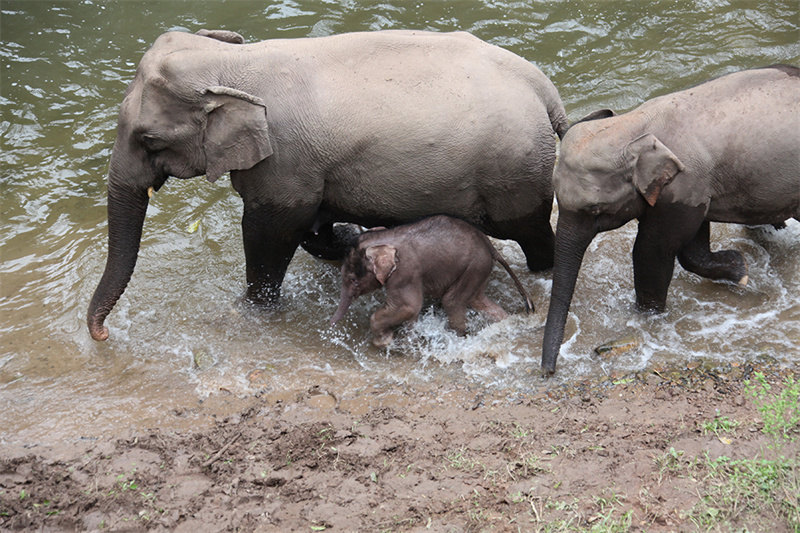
{"points": [[334, 129], [439, 257], [725, 151]]}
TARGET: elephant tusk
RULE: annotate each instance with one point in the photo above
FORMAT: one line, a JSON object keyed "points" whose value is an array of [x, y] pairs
{"points": [[150, 192]]}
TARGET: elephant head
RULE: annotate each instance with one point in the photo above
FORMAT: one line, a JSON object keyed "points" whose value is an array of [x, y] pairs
{"points": [[609, 171], [364, 270], [180, 117]]}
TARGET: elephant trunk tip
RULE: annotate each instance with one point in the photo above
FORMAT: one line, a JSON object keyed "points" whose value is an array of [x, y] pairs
{"points": [[97, 330], [548, 369], [344, 305], [337, 317], [549, 362]]}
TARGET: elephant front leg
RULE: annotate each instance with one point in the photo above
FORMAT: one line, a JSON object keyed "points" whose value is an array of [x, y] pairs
{"points": [[268, 249], [652, 274], [663, 231], [697, 257], [394, 313]]}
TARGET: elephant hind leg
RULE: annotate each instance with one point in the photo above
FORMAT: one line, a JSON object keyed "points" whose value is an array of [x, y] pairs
{"points": [[456, 310], [533, 234], [697, 257], [539, 250], [491, 309]]}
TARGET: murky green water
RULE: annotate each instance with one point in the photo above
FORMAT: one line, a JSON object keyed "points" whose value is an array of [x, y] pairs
{"points": [[64, 68]]}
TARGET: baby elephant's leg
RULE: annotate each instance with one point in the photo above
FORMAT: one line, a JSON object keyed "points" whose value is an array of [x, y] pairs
{"points": [[492, 310], [395, 312], [481, 302], [468, 291], [456, 311], [458, 297]]}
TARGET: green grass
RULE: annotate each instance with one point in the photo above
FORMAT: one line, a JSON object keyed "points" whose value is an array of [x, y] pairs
{"points": [[780, 412], [720, 425], [738, 491]]}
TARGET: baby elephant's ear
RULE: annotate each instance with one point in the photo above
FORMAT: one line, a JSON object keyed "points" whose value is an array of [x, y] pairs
{"points": [[382, 261], [654, 166]]}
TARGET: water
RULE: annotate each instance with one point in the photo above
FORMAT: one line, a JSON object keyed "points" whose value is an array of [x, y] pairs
{"points": [[64, 69]]}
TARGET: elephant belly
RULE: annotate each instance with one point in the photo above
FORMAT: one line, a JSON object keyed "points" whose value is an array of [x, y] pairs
{"points": [[758, 198]]}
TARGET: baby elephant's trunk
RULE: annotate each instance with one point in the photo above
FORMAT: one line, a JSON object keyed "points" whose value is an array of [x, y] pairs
{"points": [[344, 304], [499, 258]]}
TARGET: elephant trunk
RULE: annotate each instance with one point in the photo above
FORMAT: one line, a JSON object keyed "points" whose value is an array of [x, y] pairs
{"points": [[126, 212], [344, 305], [573, 235]]}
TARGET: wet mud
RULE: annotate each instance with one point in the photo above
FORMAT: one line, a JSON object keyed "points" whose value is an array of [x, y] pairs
{"points": [[412, 458]]}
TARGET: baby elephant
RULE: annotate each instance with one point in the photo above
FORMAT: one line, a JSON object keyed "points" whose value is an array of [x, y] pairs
{"points": [[440, 257]]}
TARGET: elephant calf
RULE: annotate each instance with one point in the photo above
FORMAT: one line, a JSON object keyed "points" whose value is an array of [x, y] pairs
{"points": [[727, 150], [440, 256]]}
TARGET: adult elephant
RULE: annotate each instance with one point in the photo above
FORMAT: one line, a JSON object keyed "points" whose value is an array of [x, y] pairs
{"points": [[373, 128], [727, 150]]}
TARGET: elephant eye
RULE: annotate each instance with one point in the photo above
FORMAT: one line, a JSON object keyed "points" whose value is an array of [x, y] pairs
{"points": [[152, 143]]}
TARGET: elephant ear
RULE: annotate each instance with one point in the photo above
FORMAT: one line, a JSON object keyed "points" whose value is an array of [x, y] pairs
{"points": [[654, 166], [382, 261], [222, 35], [597, 115], [236, 134]]}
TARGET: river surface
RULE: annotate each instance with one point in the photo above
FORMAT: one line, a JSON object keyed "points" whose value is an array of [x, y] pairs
{"points": [[180, 336]]}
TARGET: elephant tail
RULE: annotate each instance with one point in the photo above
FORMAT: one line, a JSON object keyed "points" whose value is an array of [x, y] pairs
{"points": [[558, 118], [500, 259]]}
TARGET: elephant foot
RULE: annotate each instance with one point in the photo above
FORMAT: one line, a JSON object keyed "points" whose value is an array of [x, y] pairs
{"points": [[649, 305], [730, 266], [539, 264], [727, 265], [264, 297], [494, 312], [382, 340]]}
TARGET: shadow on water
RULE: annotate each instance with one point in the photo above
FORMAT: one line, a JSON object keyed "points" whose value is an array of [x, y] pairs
{"points": [[182, 339]]}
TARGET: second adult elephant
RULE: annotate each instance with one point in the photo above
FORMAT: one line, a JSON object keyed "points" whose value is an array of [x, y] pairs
{"points": [[374, 128], [725, 151]]}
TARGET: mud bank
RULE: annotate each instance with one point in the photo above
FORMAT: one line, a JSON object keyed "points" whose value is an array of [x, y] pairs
{"points": [[645, 451]]}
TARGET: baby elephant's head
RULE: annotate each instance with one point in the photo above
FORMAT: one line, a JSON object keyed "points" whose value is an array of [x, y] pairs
{"points": [[365, 269]]}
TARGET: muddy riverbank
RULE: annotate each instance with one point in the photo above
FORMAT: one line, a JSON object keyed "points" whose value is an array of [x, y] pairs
{"points": [[658, 450]]}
